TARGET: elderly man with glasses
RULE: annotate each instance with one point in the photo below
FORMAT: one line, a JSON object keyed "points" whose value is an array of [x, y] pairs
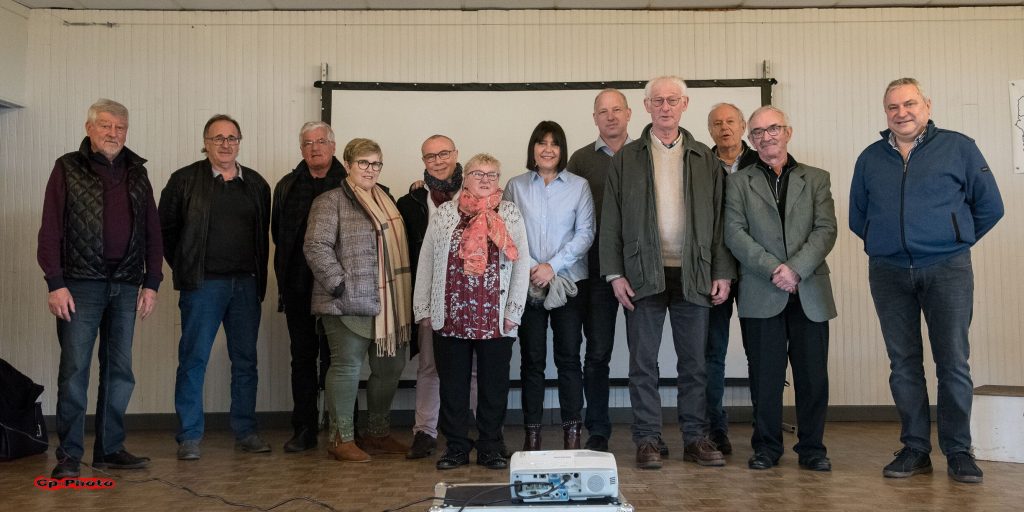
{"points": [[662, 249], [317, 172], [780, 223], [215, 217]]}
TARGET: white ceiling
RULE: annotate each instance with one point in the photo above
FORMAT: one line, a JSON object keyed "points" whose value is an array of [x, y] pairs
{"points": [[285, 5]]}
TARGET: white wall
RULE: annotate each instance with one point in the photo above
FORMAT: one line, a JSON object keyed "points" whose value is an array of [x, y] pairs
{"points": [[13, 45], [174, 69]]}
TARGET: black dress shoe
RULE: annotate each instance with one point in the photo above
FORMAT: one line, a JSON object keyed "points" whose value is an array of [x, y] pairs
{"points": [[120, 460], [422, 446], [721, 440], [761, 460], [452, 459], [816, 463], [597, 442], [304, 439], [491, 460], [67, 468]]}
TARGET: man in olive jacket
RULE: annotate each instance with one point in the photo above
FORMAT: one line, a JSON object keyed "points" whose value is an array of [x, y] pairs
{"points": [[662, 249]]}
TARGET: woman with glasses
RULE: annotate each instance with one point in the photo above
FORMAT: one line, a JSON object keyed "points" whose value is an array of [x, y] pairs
{"points": [[470, 290], [356, 247], [559, 214]]}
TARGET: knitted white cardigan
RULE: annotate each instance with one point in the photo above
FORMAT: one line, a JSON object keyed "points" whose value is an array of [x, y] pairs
{"points": [[429, 300]]}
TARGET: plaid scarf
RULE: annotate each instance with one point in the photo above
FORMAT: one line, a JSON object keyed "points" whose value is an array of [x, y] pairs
{"points": [[393, 326]]}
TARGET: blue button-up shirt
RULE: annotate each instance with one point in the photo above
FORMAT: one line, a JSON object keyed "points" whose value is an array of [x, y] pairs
{"points": [[559, 220]]}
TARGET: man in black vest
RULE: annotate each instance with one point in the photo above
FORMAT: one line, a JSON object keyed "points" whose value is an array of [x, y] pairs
{"points": [[98, 244], [318, 172]]}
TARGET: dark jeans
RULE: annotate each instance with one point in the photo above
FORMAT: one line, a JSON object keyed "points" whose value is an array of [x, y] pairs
{"points": [[109, 309], [454, 360], [599, 329], [234, 302], [306, 346], [644, 326], [944, 293], [566, 326], [769, 342], [714, 357]]}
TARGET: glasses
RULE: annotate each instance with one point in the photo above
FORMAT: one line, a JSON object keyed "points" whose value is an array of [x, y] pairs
{"points": [[773, 130], [484, 176], [306, 144], [364, 164], [672, 101], [440, 155], [220, 139]]}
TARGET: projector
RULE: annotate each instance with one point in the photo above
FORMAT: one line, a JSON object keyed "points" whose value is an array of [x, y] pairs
{"points": [[563, 475]]}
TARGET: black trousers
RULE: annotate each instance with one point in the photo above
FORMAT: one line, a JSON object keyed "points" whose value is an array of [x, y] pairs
{"points": [[307, 375], [566, 343], [769, 342], [454, 360]]}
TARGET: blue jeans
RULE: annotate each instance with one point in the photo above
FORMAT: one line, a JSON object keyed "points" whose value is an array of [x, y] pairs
{"points": [[714, 357], [235, 302], [944, 293], [108, 308], [644, 326], [599, 329]]}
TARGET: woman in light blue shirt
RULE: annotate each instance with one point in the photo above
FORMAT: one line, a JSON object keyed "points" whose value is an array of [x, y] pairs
{"points": [[559, 214]]}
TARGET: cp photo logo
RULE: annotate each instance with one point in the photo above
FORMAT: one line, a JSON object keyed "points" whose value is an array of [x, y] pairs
{"points": [[54, 484]]}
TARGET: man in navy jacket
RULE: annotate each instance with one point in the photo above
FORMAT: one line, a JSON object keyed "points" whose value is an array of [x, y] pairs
{"points": [[920, 198]]}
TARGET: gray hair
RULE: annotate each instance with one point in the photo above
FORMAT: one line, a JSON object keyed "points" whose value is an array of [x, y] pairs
{"points": [[770, 108], [108, 106], [315, 125], [899, 82], [724, 104], [671, 78]]}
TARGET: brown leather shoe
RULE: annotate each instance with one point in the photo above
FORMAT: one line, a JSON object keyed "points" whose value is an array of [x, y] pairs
{"points": [[703, 452], [378, 445], [571, 435], [347, 452], [532, 441], [648, 456]]}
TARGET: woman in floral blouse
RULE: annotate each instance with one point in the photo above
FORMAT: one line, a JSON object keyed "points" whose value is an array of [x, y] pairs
{"points": [[471, 290]]}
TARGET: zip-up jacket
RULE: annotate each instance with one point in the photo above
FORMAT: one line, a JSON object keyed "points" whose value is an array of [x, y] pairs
{"points": [[185, 222], [935, 205], [630, 243]]}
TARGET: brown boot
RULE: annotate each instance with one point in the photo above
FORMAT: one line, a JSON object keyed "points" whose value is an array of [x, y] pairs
{"points": [[571, 434], [347, 452], [379, 445], [532, 441]]}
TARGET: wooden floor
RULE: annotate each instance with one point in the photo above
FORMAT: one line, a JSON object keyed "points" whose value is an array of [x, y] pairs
{"points": [[858, 452]]}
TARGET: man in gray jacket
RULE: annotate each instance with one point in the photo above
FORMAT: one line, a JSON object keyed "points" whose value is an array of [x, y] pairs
{"points": [[780, 223], [662, 249]]}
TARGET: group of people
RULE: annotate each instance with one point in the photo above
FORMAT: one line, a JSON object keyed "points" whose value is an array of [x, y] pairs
{"points": [[458, 268]]}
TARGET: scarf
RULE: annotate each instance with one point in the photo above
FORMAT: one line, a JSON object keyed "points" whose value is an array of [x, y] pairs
{"points": [[484, 225], [442, 191], [393, 326]]}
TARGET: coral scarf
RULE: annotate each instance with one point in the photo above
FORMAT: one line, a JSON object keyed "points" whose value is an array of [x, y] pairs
{"points": [[485, 224], [393, 326]]}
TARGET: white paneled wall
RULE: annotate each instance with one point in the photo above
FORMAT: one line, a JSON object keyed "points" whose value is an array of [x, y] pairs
{"points": [[174, 69]]}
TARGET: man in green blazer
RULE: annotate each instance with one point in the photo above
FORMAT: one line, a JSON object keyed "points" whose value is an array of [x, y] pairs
{"points": [[780, 223]]}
